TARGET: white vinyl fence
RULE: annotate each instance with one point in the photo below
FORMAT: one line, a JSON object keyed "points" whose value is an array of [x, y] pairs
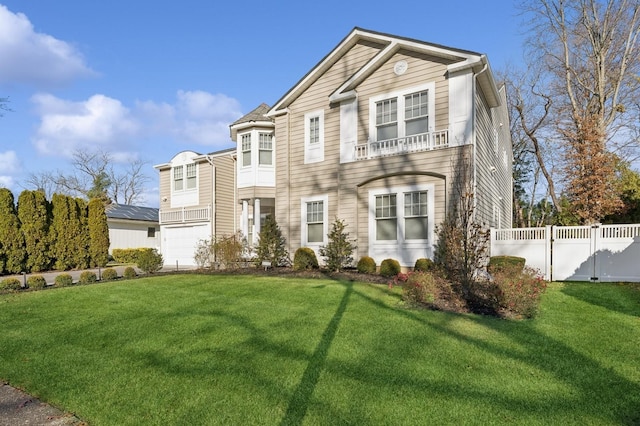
{"points": [[601, 253]]}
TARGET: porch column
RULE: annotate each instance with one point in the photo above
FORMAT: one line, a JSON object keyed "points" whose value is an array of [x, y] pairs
{"points": [[256, 218], [244, 221]]}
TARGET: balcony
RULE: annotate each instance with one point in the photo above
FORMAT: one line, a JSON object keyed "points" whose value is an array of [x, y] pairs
{"points": [[185, 214], [404, 145]]}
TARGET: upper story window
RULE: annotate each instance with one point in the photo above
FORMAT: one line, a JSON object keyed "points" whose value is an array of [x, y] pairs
{"points": [[246, 149], [416, 113], [399, 114], [265, 156], [314, 137], [191, 176], [178, 178], [387, 119]]}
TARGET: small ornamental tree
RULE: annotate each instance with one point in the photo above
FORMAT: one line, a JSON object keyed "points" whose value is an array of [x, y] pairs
{"points": [[98, 233], [34, 213], [12, 251], [272, 245], [339, 250]]}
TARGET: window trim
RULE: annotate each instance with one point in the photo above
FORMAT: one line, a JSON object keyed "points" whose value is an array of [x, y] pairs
{"points": [[401, 119], [244, 150], [313, 151], [261, 149], [304, 238], [175, 179]]}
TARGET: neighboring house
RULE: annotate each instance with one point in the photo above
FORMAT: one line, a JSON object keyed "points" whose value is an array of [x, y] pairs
{"points": [[197, 201], [132, 227], [376, 135]]}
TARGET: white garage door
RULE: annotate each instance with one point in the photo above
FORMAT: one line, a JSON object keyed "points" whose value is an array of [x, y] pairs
{"points": [[179, 244]]}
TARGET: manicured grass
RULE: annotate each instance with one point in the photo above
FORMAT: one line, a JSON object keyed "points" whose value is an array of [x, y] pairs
{"points": [[189, 349]]}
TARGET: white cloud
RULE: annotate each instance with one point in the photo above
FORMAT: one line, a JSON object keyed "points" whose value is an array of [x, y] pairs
{"points": [[33, 58], [9, 162], [196, 117], [99, 122], [6, 182]]}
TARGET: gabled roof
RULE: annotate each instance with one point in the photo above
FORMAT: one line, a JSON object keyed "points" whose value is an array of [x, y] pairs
{"points": [[257, 117], [391, 44], [123, 211]]}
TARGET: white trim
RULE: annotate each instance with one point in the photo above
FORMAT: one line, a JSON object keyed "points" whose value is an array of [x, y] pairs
{"points": [[314, 153], [303, 221], [399, 95]]}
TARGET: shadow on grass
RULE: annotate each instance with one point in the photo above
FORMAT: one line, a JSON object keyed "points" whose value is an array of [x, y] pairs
{"points": [[623, 297]]}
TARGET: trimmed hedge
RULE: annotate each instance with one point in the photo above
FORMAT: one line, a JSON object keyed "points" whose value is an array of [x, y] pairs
{"points": [[109, 274], [87, 277], [389, 268], [129, 273], [366, 265], [305, 258], [63, 280], [423, 265], [36, 282], [130, 255], [10, 284]]}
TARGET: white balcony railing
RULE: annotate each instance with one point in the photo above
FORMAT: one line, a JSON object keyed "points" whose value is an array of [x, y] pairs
{"points": [[404, 145], [185, 215]]}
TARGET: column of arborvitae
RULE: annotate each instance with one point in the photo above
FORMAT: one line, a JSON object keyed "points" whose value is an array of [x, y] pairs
{"points": [[98, 233], [35, 218], [12, 252], [60, 232], [80, 225]]}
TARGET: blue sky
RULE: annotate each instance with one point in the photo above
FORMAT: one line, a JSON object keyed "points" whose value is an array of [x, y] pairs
{"points": [[147, 79]]}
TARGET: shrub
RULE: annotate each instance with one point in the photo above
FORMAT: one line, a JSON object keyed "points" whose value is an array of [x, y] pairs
{"points": [[272, 246], [389, 268], [420, 288], [129, 273], [519, 291], [423, 265], [63, 280], [150, 261], [87, 277], [36, 282], [338, 251], [305, 258], [109, 274], [366, 265], [229, 249], [10, 284], [502, 263], [203, 254]]}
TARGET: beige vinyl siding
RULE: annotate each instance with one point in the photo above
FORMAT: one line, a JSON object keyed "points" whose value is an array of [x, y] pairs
{"points": [[225, 199], [165, 186], [205, 185]]}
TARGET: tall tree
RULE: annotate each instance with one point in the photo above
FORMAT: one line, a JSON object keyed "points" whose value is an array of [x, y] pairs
{"points": [[35, 218], [584, 59], [98, 233], [62, 239], [12, 251]]}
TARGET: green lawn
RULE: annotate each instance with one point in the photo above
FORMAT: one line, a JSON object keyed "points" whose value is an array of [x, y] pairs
{"points": [[189, 349]]}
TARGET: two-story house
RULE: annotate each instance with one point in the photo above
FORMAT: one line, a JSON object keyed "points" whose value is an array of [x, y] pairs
{"points": [[376, 134]]}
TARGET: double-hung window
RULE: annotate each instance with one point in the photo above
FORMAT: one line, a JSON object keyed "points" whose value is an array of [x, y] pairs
{"points": [[315, 221], [416, 215], [386, 217], [266, 149], [416, 113], [246, 149], [178, 178], [387, 119], [191, 176]]}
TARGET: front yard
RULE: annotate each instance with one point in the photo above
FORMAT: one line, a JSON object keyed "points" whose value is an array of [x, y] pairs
{"points": [[191, 349]]}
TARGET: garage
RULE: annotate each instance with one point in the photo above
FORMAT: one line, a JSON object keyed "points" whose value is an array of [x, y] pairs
{"points": [[179, 243]]}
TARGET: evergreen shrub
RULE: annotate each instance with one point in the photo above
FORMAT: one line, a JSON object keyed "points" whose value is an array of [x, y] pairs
{"points": [[87, 277], [366, 265], [423, 265], [129, 273], [63, 280], [305, 258], [150, 261], [10, 284], [389, 268], [36, 282], [109, 274]]}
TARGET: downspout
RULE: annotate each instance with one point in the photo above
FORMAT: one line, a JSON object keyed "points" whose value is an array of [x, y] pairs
{"points": [[235, 192], [474, 136], [289, 179]]}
